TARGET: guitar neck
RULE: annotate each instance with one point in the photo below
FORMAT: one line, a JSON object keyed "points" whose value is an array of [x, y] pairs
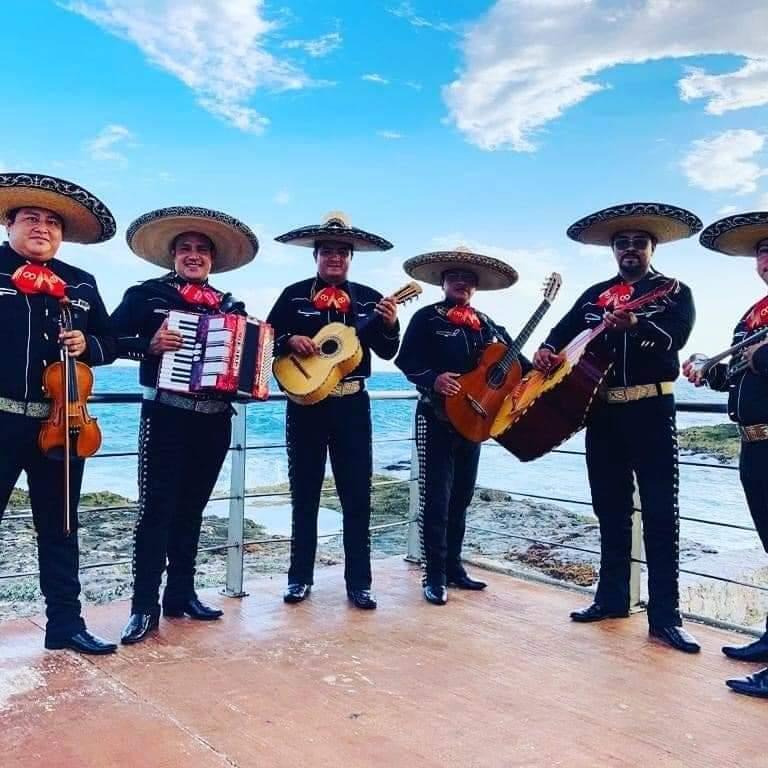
{"points": [[528, 329]]}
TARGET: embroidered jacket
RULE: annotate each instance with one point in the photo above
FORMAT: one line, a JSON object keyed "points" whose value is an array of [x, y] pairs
{"points": [[646, 354], [295, 314], [31, 323]]}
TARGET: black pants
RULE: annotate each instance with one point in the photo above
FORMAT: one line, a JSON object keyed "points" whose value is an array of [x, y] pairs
{"points": [[447, 474], [180, 456], [58, 554], [639, 437], [341, 427]]}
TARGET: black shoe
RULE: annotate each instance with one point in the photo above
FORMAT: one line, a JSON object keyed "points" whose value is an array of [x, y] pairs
{"points": [[751, 685], [194, 609], [754, 652], [435, 595], [138, 627], [82, 642], [596, 612], [362, 598], [463, 581], [296, 593], [676, 637]]}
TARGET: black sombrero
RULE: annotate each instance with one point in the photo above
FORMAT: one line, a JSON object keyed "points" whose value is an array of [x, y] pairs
{"points": [[492, 274], [152, 234], [736, 235], [335, 227], [666, 223], [86, 219]]}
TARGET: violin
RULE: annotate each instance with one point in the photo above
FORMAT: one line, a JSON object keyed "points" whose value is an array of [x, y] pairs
{"points": [[69, 432]]}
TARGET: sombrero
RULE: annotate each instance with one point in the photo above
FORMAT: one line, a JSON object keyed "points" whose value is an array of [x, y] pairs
{"points": [[492, 274], [335, 227], [86, 219], [736, 235], [152, 234], [666, 223]]}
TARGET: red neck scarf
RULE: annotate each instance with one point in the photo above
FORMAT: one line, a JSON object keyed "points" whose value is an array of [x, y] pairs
{"points": [[464, 316], [36, 278], [615, 296], [331, 297], [202, 295], [758, 315]]}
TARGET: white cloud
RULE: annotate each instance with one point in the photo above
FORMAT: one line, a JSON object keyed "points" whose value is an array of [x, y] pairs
{"points": [[406, 11], [414, 84], [373, 77], [727, 210], [105, 145], [318, 47], [526, 62], [392, 135], [283, 197], [726, 162], [215, 47], [762, 203]]}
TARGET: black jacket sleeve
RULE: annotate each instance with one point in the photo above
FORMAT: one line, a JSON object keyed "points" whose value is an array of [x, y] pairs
{"points": [[414, 358], [671, 328], [279, 319], [128, 323], [382, 340], [101, 344], [570, 326]]}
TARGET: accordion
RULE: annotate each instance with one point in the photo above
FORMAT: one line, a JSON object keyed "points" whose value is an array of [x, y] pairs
{"points": [[226, 353]]}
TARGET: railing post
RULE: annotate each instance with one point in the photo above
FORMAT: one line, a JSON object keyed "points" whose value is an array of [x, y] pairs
{"points": [[635, 574], [413, 554], [235, 533]]}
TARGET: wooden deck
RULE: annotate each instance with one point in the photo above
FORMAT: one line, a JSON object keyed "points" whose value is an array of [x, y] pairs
{"points": [[496, 679]]}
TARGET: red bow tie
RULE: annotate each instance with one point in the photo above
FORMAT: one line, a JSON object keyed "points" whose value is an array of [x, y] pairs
{"points": [[201, 295], [615, 296], [464, 316], [331, 297], [35, 278], [758, 315]]}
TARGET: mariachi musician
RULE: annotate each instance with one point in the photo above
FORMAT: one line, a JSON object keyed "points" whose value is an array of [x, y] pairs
{"points": [[632, 429], [746, 381], [183, 437], [443, 341], [341, 423], [39, 213]]}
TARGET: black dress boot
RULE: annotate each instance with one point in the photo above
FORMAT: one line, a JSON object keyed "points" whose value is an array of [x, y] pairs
{"points": [[462, 580], [753, 652], [596, 612], [82, 642], [295, 593], [436, 594], [138, 627], [751, 685], [194, 609], [676, 637], [362, 598]]}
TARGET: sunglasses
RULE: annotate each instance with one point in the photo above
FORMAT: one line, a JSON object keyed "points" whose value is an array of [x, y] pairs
{"points": [[625, 243]]}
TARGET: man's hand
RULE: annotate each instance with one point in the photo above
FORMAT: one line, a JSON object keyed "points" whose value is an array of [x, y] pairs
{"points": [[165, 340], [692, 369], [303, 345], [446, 384], [545, 360], [387, 310], [74, 342], [620, 320]]}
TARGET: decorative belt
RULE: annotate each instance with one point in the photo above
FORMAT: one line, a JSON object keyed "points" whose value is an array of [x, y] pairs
{"points": [[754, 432], [344, 388], [638, 392], [185, 403], [37, 410]]}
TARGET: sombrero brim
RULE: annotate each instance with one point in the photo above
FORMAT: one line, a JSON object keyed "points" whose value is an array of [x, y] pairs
{"points": [[86, 219], [736, 235], [666, 223], [359, 239], [492, 274], [151, 235]]}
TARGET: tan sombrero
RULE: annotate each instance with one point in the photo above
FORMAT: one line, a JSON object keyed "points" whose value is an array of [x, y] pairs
{"points": [[86, 219], [335, 227], [736, 235], [492, 274], [666, 223], [152, 234]]}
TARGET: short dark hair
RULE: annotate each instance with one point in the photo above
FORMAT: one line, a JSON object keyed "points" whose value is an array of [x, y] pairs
{"points": [[10, 217], [178, 237]]}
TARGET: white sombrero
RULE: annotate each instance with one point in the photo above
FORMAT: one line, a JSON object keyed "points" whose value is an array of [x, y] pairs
{"points": [[86, 219], [736, 235], [152, 234], [492, 274], [666, 223], [335, 227]]}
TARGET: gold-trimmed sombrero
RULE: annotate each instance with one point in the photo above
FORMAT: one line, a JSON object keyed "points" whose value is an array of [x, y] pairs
{"points": [[335, 227], [86, 219], [666, 223], [736, 235], [492, 274], [152, 234]]}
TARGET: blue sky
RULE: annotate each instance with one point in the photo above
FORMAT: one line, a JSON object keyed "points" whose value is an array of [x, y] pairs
{"points": [[492, 124]]}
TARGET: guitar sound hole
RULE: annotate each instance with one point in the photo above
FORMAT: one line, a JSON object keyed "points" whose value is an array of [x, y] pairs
{"points": [[495, 377], [329, 347]]}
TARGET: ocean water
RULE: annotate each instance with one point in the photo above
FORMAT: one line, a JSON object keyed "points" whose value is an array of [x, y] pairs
{"points": [[710, 493]]}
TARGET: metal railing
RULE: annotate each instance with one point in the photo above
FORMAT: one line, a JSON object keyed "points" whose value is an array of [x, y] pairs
{"points": [[236, 544]]}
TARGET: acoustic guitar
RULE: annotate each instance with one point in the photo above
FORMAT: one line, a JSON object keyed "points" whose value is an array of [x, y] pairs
{"points": [[547, 408], [483, 390], [308, 380]]}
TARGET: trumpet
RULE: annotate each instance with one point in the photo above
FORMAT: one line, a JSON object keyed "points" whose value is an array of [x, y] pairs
{"points": [[738, 363]]}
